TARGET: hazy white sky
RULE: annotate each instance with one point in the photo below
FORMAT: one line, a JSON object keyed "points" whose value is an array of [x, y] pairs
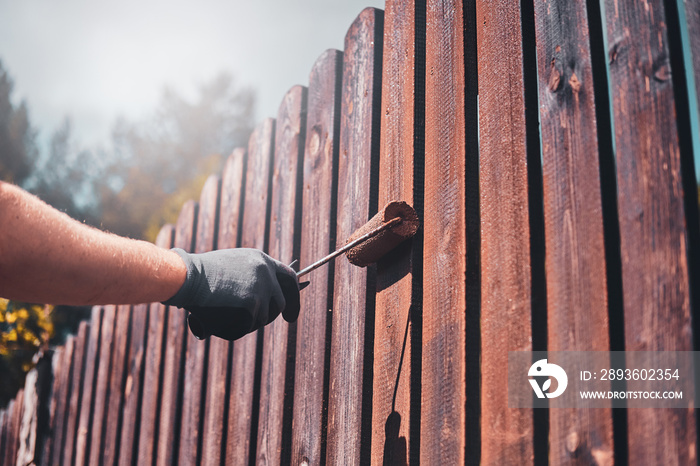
{"points": [[95, 60]]}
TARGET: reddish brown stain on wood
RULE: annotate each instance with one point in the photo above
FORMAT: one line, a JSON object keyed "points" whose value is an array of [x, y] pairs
{"points": [[241, 409], [393, 346], [15, 420], [152, 389], [195, 358], [444, 287], [216, 392], [175, 351], [575, 259], [359, 126], [75, 403], [62, 404], [318, 192], [102, 384], [277, 358], [653, 238], [133, 385], [82, 434], [506, 434], [115, 405]]}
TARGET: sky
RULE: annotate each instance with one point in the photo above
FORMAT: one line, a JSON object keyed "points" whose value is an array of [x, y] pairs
{"points": [[97, 60]]}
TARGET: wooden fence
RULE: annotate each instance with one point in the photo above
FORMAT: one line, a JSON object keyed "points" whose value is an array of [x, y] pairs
{"points": [[547, 147]]}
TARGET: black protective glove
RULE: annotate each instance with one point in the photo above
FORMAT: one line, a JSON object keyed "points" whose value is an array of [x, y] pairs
{"points": [[232, 292]]}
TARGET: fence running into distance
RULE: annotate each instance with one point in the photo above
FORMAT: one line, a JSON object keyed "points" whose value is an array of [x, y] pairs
{"points": [[580, 145]]}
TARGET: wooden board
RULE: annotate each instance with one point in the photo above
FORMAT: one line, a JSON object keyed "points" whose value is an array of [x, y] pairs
{"points": [[175, 350], [507, 434], [443, 392], [3, 432], [196, 357], [216, 403], [15, 422], [56, 369], [7, 434], [102, 384], [279, 344], [92, 353], [350, 397], [114, 416], [62, 402], [75, 404], [396, 397], [133, 386], [653, 237], [575, 260], [319, 195], [155, 349], [241, 439]]}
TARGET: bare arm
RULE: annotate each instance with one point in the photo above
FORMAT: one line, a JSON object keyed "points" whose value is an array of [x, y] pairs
{"points": [[47, 257]]}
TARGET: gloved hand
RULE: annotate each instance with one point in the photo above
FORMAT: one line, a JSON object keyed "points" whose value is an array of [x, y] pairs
{"points": [[232, 292]]}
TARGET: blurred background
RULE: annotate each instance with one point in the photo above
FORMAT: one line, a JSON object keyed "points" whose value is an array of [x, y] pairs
{"points": [[115, 112]]}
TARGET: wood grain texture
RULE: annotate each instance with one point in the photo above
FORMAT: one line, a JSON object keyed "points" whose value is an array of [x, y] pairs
{"points": [[83, 432], [175, 350], [15, 422], [396, 312], [350, 401], [3, 433], [279, 343], [154, 352], [101, 393], [443, 393], [56, 367], [216, 402], [62, 404], [114, 416], [243, 411], [75, 402], [196, 353], [7, 435], [319, 192], [575, 260], [653, 237], [133, 386], [507, 434]]}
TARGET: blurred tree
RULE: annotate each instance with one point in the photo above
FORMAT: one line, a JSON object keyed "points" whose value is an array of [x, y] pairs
{"points": [[18, 150], [65, 177], [163, 161]]}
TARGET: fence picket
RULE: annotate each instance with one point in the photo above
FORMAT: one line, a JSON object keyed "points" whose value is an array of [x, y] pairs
{"points": [[82, 434], [576, 273], [152, 377], [216, 401], [653, 236], [507, 435], [175, 350], [319, 194], [279, 344], [196, 355], [245, 376], [76, 395], [396, 395], [350, 400]]}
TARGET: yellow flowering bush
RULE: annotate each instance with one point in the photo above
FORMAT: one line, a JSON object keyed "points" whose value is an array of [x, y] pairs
{"points": [[25, 329]]}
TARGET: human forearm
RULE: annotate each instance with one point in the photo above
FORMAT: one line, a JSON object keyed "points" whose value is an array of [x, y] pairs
{"points": [[45, 256]]}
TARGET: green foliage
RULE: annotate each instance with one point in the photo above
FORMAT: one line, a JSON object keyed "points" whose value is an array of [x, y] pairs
{"points": [[25, 329]]}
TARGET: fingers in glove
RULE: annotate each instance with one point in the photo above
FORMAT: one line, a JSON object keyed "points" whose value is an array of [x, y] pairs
{"points": [[290, 289]]}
